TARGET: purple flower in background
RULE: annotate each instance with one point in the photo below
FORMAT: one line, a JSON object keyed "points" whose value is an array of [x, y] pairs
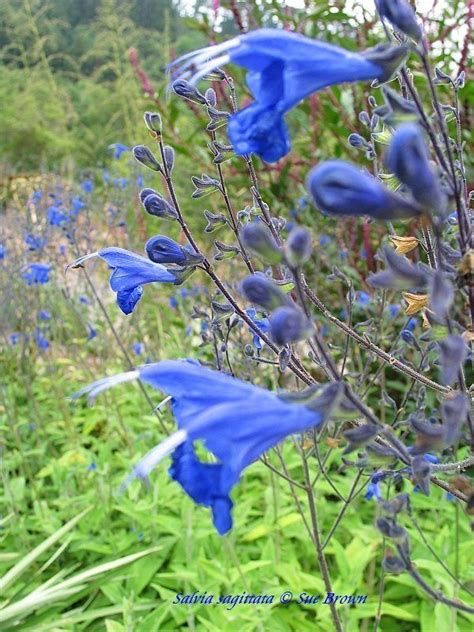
{"points": [[3, 251], [283, 69], [44, 315], [324, 240], [14, 338], [36, 274], [340, 188], [37, 197], [237, 422], [91, 332], [130, 272]]}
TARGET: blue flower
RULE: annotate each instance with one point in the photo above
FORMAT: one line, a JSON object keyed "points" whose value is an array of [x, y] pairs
{"points": [[14, 338], [324, 240], [120, 183], [56, 217], [138, 348], [36, 197], [87, 186], [130, 272], [118, 149], [373, 491], [3, 251], [91, 332], [77, 205], [236, 421], [44, 315], [41, 341], [36, 274], [408, 158], [363, 298], [340, 188], [393, 310], [262, 323], [34, 242], [284, 68]]}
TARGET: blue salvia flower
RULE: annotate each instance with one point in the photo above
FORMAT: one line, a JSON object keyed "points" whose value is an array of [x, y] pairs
{"points": [[118, 149], [408, 158], [3, 251], [237, 422], [284, 68], [130, 272], [91, 332], [138, 348], [36, 274], [44, 315], [41, 342], [87, 186], [401, 15], [77, 205], [373, 491], [262, 323], [56, 217], [34, 242], [340, 188]]}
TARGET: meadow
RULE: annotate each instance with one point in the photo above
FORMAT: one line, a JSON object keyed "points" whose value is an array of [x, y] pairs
{"points": [[375, 499]]}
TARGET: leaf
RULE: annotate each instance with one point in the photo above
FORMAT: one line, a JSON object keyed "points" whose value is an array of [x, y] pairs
{"points": [[33, 555]]}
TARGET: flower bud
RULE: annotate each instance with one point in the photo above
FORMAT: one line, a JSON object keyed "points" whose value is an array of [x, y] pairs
{"points": [[153, 122], [452, 352], [401, 16], [169, 158], [421, 470], [261, 291], [340, 188], [298, 247], [184, 89], [258, 238], [407, 157], [289, 324], [162, 249], [156, 205], [145, 156], [389, 58]]}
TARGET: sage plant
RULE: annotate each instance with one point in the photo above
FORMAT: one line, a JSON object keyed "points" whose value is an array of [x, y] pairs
{"points": [[266, 311]]}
